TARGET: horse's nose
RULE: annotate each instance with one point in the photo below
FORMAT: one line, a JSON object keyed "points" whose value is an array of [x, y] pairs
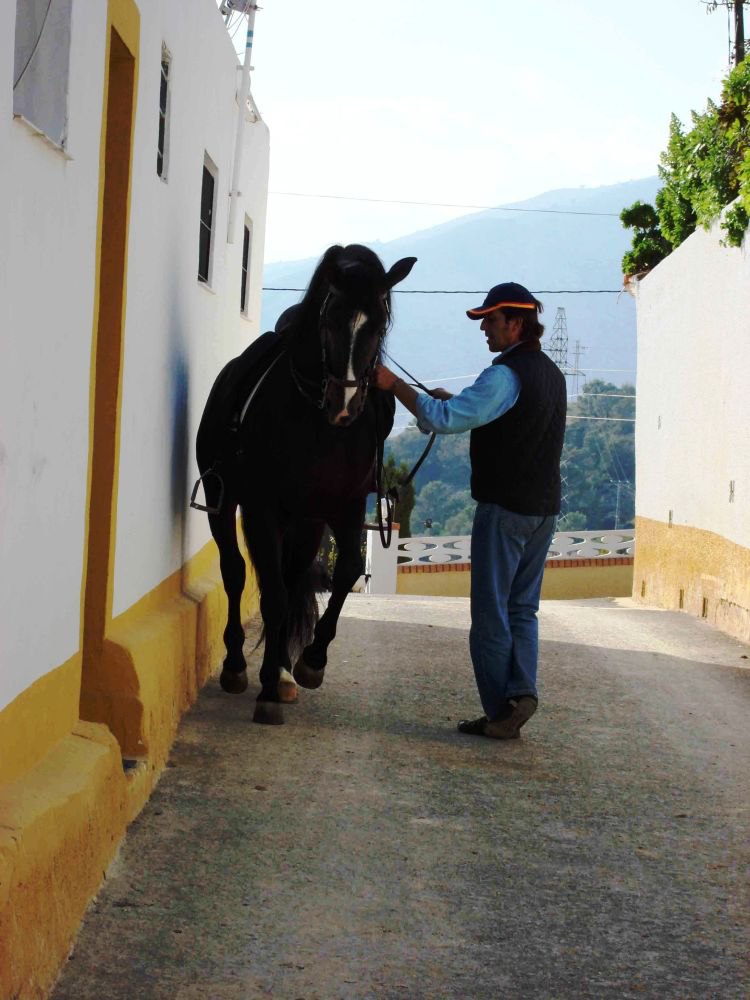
{"points": [[342, 418]]}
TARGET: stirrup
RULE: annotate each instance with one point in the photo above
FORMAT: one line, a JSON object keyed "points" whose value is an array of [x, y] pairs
{"points": [[201, 479]]}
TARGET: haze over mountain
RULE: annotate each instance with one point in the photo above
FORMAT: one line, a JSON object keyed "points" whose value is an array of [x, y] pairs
{"points": [[549, 253]]}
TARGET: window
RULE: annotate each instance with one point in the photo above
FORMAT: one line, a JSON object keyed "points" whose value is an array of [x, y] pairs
{"points": [[162, 152], [208, 205], [245, 267], [41, 66]]}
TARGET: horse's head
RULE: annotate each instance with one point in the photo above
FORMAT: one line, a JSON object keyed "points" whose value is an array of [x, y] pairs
{"points": [[355, 313]]}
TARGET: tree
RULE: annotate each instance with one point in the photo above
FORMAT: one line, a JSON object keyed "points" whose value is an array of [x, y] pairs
{"points": [[393, 476], [703, 170]]}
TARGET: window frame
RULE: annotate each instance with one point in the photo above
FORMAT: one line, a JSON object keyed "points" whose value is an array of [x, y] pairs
{"points": [[207, 223], [165, 103], [247, 252]]}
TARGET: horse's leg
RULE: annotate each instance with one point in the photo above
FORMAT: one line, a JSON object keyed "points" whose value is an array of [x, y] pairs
{"points": [[263, 535], [300, 547], [347, 530], [224, 530]]}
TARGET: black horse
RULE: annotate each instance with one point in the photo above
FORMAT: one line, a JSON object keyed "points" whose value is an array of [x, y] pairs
{"points": [[290, 434]]}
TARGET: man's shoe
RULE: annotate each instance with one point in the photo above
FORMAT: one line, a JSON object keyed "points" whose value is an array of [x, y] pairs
{"points": [[509, 728], [473, 727]]}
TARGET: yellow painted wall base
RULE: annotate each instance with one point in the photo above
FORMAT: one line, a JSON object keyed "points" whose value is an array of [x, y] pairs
{"points": [[693, 570], [156, 657], [62, 818], [59, 828], [591, 578]]}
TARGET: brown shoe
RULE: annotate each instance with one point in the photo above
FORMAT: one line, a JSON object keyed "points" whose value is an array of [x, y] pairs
{"points": [[473, 727], [510, 727]]}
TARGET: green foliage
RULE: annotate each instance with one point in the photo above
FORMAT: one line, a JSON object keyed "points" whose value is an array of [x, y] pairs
{"points": [[393, 474], [451, 511], [649, 246], [598, 466], [599, 457], [703, 170]]}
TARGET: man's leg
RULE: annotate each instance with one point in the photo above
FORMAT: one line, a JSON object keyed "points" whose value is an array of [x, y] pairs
{"points": [[523, 605], [495, 556]]}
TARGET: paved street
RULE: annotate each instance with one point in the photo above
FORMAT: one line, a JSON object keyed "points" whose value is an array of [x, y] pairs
{"points": [[367, 850]]}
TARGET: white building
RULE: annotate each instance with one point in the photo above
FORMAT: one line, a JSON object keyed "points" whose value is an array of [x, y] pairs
{"points": [[122, 294], [692, 454]]}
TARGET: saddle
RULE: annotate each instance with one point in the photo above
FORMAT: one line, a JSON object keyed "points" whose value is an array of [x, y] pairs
{"points": [[227, 406]]}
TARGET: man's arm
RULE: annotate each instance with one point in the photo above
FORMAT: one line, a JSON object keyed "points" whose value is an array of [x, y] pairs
{"points": [[494, 392], [404, 393]]}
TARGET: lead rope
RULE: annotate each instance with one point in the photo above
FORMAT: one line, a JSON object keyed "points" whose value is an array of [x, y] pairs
{"points": [[391, 496]]}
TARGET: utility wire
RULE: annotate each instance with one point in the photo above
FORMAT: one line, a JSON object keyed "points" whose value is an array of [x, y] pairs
{"points": [[443, 204], [471, 291]]}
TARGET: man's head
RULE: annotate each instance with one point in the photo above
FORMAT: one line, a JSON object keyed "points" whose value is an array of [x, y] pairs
{"points": [[509, 313]]}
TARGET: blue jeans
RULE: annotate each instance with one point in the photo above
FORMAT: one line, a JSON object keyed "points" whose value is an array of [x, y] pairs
{"points": [[508, 552]]}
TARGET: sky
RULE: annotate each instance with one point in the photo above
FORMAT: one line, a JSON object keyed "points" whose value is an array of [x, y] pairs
{"points": [[464, 105]]}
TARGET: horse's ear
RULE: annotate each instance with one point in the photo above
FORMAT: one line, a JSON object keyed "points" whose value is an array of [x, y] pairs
{"points": [[399, 271]]}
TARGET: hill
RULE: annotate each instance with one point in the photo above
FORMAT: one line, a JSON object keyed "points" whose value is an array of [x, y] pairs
{"points": [[550, 244]]}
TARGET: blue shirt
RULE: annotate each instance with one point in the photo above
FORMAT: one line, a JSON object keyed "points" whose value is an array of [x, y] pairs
{"points": [[494, 392]]}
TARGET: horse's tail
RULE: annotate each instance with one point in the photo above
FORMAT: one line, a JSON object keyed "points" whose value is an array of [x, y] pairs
{"points": [[303, 606]]}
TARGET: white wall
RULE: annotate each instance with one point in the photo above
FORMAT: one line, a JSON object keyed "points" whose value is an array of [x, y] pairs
{"points": [[179, 333], [693, 402], [177, 336], [48, 212]]}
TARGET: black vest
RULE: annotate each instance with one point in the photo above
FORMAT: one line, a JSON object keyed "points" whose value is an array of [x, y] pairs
{"points": [[515, 460]]}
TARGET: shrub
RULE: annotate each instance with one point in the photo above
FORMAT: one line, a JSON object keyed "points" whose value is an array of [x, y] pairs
{"points": [[703, 170]]}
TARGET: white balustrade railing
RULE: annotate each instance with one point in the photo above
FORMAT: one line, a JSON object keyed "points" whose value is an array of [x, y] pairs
{"points": [[442, 550], [434, 549]]}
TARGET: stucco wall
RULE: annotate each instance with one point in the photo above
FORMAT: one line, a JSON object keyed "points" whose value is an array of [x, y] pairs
{"points": [[693, 403], [48, 213], [179, 333], [693, 460]]}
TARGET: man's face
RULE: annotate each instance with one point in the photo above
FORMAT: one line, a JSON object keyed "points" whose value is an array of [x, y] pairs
{"points": [[500, 332]]}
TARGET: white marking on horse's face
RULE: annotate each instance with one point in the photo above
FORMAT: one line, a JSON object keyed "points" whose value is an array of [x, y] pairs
{"points": [[358, 321]]}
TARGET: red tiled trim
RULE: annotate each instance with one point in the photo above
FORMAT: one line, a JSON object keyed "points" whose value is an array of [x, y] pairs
{"points": [[550, 564]]}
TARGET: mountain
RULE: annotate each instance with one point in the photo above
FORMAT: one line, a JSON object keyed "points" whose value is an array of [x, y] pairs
{"points": [[550, 253]]}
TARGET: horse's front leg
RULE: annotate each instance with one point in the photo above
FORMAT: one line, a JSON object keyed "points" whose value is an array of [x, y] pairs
{"points": [[310, 667], [224, 530], [263, 535]]}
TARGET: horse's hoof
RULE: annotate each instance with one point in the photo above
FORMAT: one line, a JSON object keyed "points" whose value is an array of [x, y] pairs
{"points": [[268, 713], [232, 681], [287, 688], [306, 676]]}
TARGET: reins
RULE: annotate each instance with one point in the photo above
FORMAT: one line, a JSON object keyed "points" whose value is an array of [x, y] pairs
{"points": [[392, 495]]}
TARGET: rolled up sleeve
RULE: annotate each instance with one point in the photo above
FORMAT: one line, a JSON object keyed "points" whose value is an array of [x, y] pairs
{"points": [[494, 393]]}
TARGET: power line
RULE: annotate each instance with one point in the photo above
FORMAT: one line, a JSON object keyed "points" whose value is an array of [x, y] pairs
{"points": [[570, 416], [443, 204], [472, 291], [459, 378]]}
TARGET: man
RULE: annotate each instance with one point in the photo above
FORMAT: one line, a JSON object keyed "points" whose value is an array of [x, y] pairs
{"points": [[516, 412]]}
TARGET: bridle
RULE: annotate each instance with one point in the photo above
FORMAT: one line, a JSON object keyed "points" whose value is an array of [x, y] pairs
{"points": [[301, 381]]}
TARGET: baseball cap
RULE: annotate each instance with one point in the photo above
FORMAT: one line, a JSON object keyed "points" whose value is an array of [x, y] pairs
{"points": [[510, 294]]}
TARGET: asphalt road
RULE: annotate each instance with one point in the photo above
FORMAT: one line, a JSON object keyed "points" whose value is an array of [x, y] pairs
{"points": [[367, 850]]}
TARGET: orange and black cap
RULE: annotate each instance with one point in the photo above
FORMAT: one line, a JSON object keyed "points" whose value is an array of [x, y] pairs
{"points": [[509, 294]]}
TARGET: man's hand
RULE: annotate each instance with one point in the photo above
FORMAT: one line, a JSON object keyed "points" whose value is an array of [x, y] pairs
{"points": [[384, 378], [440, 394]]}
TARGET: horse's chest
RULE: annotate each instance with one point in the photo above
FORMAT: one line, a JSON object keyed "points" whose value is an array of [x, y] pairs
{"points": [[314, 466]]}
